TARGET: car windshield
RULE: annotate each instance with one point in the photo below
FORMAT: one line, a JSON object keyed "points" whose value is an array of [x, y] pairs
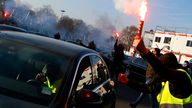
{"points": [[30, 73]]}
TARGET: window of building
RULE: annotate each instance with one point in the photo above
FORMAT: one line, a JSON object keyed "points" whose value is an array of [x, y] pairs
{"points": [[157, 39], [189, 43], [167, 40]]}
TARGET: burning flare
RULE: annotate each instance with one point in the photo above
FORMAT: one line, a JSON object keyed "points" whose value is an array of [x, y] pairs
{"points": [[143, 10], [6, 14], [117, 34]]}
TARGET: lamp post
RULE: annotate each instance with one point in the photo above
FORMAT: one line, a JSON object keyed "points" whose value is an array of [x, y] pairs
{"points": [[62, 11]]}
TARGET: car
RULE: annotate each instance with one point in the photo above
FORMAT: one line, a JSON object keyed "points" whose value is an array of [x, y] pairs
{"points": [[104, 54], [42, 72], [11, 28], [136, 68]]}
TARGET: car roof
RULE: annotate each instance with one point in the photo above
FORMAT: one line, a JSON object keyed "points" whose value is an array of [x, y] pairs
{"points": [[46, 43], [11, 28]]}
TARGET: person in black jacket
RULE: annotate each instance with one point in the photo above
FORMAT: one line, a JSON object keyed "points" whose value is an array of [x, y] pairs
{"points": [[117, 63], [150, 78], [176, 88]]}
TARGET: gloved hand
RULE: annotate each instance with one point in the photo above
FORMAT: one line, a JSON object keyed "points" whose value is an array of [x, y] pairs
{"points": [[122, 78]]}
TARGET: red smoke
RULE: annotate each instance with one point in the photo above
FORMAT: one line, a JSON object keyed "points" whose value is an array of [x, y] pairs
{"points": [[132, 7]]}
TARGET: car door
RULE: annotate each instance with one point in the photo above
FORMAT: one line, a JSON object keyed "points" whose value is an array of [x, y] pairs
{"points": [[90, 83], [102, 82], [83, 83]]}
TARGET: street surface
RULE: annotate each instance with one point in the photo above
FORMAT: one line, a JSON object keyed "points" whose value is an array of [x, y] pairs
{"points": [[125, 95]]}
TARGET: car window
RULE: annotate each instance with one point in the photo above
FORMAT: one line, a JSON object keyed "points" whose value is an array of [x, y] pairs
{"points": [[85, 80], [99, 68], [100, 75], [94, 72], [94, 75], [21, 64]]}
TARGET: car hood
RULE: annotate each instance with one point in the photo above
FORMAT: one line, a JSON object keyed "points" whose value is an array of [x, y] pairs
{"points": [[9, 102]]}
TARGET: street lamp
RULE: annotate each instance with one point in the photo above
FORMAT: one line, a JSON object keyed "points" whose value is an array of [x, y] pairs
{"points": [[62, 11]]}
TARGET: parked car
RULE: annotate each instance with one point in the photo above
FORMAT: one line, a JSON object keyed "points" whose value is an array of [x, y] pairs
{"points": [[136, 68], [42, 72]]}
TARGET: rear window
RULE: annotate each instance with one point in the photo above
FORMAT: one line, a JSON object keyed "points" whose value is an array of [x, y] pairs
{"points": [[26, 70]]}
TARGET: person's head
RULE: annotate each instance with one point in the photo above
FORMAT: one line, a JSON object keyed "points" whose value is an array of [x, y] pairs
{"points": [[99, 65], [92, 45], [156, 52], [186, 63], [170, 60]]}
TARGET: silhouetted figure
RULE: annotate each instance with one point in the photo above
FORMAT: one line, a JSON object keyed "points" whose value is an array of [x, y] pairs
{"points": [[101, 72], [57, 36], [92, 45], [118, 65]]}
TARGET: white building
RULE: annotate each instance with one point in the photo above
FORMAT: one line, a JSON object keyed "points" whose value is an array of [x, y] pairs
{"points": [[168, 40], [148, 38], [178, 43]]}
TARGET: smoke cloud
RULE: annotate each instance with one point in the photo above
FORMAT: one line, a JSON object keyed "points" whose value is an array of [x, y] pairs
{"points": [[129, 7], [44, 20]]}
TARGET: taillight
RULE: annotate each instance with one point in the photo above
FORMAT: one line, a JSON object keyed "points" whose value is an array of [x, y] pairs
{"points": [[86, 95]]}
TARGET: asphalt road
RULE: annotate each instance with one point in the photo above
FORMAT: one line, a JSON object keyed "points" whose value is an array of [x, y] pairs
{"points": [[125, 95]]}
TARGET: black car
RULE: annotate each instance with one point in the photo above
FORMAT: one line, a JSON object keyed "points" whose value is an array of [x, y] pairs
{"points": [[136, 68], [42, 72]]}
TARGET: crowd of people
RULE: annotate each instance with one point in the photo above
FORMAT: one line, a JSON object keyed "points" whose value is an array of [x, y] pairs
{"points": [[168, 83]]}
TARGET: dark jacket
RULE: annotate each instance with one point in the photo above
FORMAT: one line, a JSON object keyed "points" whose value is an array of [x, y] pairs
{"points": [[180, 84]]}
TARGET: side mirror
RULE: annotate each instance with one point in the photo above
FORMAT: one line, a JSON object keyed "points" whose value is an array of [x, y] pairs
{"points": [[88, 99]]}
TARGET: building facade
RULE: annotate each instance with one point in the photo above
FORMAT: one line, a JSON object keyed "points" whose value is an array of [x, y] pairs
{"points": [[148, 38], [168, 40], [171, 41]]}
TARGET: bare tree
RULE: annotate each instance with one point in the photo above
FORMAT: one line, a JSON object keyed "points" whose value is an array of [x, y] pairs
{"points": [[127, 36]]}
